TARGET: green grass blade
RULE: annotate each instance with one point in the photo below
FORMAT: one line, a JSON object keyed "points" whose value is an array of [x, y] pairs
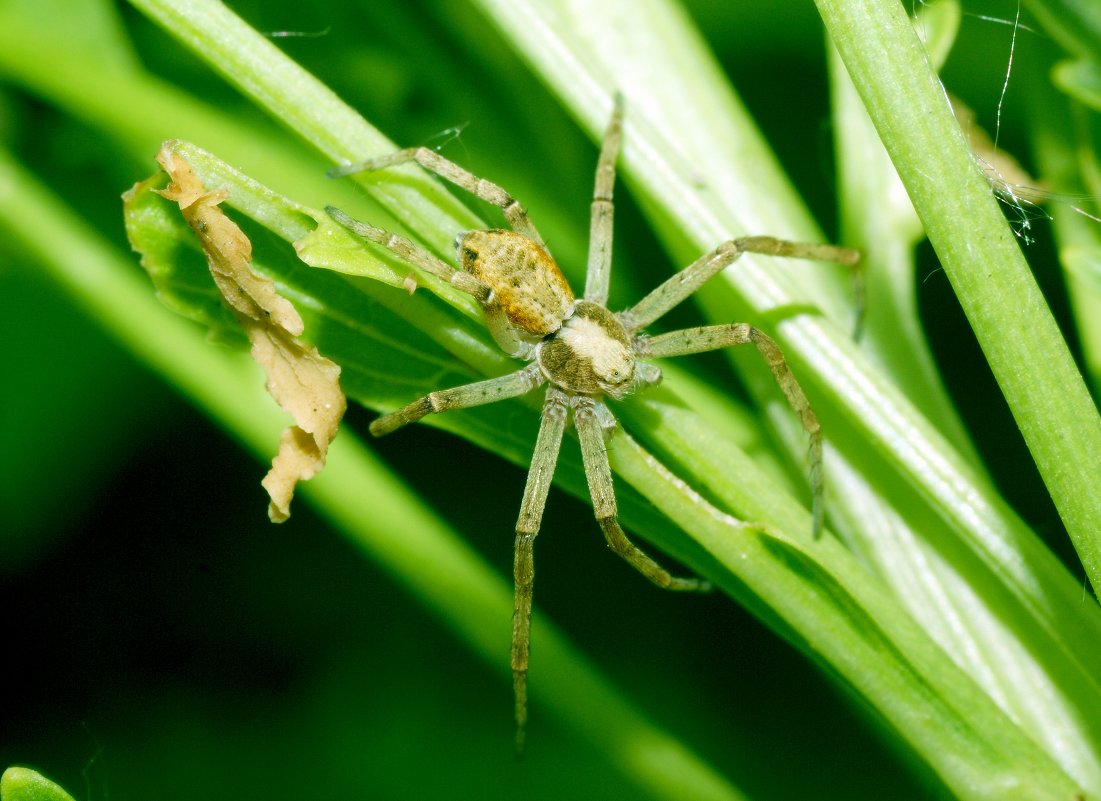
{"points": [[981, 257], [293, 96], [1065, 155], [879, 220], [851, 624], [24, 784]]}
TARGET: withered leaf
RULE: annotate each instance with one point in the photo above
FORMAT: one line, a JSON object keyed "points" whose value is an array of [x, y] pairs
{"points": [[300, 379]]}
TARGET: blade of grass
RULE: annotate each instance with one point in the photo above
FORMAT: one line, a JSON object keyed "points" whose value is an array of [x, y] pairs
{"points": [[879, 220], [142, 110], [981, 257], [851, 625], [1064, 154], [308, 107]]}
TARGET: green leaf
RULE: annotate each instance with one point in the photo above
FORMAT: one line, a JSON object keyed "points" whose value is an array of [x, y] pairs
{"points": [[1036, 373], [24, 784], [1081, 80]]}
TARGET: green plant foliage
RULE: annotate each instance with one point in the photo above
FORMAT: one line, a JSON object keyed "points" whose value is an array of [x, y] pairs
{"points": [[939, 602], [24, 784]]}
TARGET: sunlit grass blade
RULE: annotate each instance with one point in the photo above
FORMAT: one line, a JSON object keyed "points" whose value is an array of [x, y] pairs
{"points": [[879, 220], [1036, 373], [24, 784], [1068, 161]]}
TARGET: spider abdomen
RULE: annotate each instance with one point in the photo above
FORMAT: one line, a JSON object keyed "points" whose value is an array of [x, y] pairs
{"points": [[590, 354]]}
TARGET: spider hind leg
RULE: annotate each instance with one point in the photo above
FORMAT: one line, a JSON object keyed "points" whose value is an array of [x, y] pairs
{"points": [[598, 472]]}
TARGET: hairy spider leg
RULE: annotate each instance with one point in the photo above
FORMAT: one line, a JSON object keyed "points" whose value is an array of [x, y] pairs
{"points": [[463, 397], [464, 179], [543, 461], [599, 266], [687, 281], [715, 337], [695, 340], [413, 254], [598, 472]]}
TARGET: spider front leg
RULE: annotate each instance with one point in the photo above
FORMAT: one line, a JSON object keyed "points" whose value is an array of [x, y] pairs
{"points": [[464, 179], [413, 254], [543, 461], [599, 265], [481, 392], [691, 278], [598, 473], [714, 337]]}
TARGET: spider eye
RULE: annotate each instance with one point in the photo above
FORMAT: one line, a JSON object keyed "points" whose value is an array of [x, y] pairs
{"points": [[618, 375]]}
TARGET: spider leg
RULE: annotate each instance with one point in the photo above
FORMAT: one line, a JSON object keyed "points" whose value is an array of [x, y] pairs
{"points": [[713, 337], [687, 281], [465, 396], [598, 271], [411, 253], [598, 472], [543, 462], [450, 171]]}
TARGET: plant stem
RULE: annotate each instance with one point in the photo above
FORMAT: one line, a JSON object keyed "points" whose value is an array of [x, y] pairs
{"points": [[303, 103], [981, 258]]}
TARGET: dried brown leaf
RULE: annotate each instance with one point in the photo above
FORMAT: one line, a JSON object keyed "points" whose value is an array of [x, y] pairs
{"points": [[306, 385], [301, 380], [228, 251]]}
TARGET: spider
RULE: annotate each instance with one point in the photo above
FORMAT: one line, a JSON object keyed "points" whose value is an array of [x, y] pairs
{"points": [[580, 349]]}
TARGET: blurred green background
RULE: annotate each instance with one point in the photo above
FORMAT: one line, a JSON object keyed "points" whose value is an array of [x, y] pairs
{"points": [[164, 641]]}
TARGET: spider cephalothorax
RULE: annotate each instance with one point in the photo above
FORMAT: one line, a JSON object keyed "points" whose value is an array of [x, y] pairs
{"points": [[579, 348]]}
